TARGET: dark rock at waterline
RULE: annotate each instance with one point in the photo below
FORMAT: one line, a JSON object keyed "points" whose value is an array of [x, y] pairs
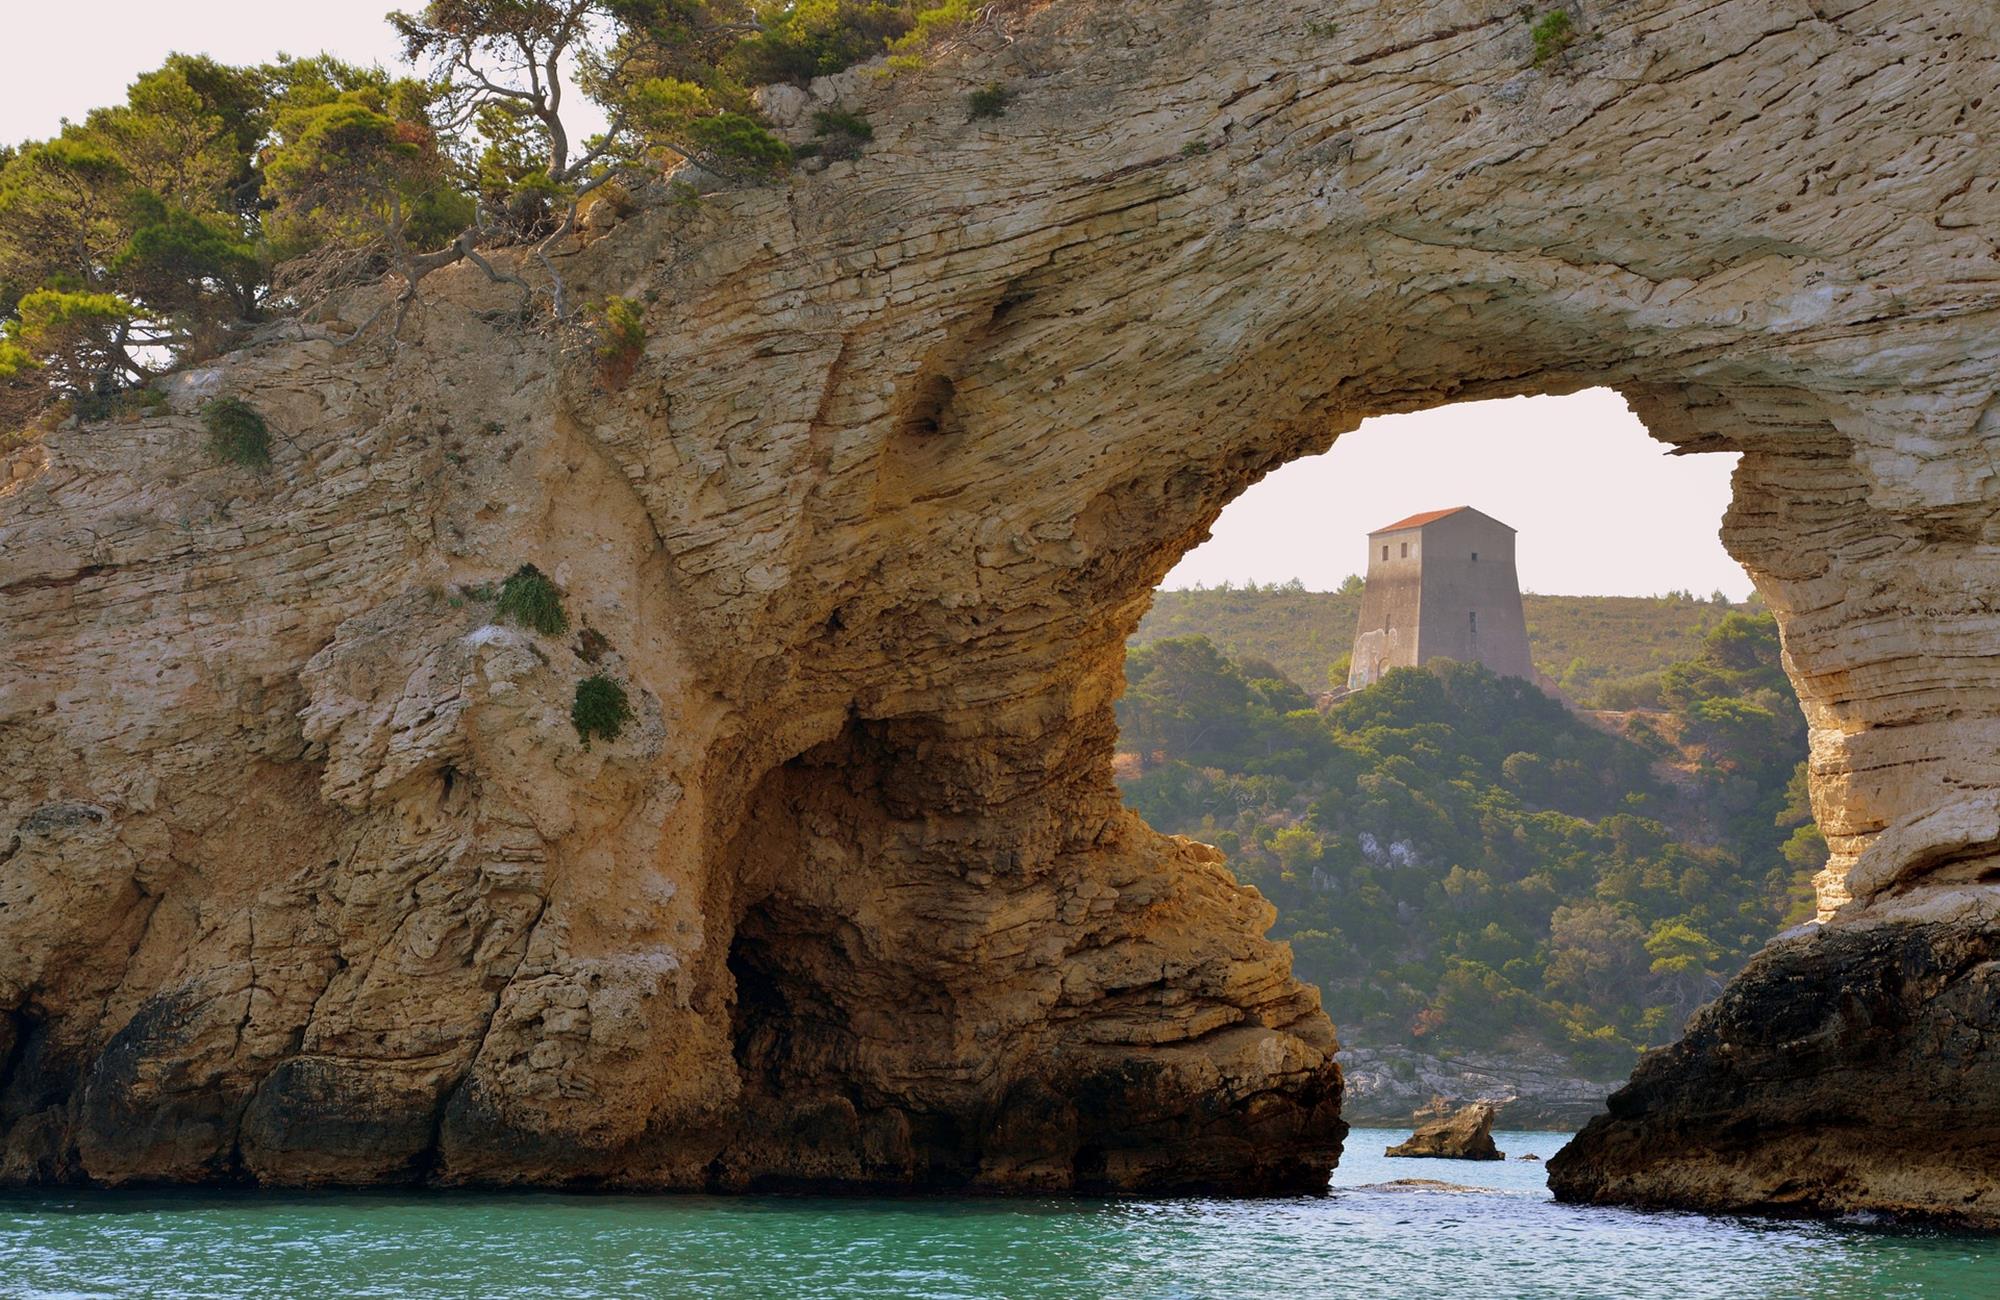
{"points": [[315, 1123], [1464, 1134], [1847, 1070]]}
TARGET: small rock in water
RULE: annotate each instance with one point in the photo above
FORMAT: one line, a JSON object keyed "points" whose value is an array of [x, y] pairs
{"points": [[1530, 1156], [1418, 1185], [1464, 1134]]}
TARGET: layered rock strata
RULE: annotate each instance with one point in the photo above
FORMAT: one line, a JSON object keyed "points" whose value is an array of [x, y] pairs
{"points": [[306, 878]]}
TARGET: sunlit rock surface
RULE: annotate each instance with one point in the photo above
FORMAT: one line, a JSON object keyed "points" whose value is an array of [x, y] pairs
{"points": [[1462, 1134], [305, 876]]}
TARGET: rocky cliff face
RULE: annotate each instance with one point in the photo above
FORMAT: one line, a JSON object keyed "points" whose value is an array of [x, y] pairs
{"points": [[305, 876], [1849, 1069]]}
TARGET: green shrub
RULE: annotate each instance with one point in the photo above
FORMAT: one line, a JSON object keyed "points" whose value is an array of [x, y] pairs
{"points": [[989, 102], [1554, 34], [833, 121], [841, 135], [928, 23], [15, 360], [600, 709], [236, 433], [620, 341], [816, 37], [738, 145], [623, 332], [531, 600], [1621, 694], [145, 401]]}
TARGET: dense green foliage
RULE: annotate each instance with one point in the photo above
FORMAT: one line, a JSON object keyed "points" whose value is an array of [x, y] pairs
{"points": [[1460, 861], [155, 232], [1584, 644], [151, 233], [237, 433], [530, 599], [126, 237], [600, 709], [357, 161]]}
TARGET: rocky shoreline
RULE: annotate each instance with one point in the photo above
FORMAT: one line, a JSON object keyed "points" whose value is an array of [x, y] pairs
{"points": [[1387, 1085]]}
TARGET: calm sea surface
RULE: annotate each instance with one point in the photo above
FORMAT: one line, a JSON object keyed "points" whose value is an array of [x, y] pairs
{"points": [[1504, 1239]]}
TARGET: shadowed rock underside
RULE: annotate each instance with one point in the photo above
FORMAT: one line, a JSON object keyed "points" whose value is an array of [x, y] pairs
{"points": [[305, 876]]}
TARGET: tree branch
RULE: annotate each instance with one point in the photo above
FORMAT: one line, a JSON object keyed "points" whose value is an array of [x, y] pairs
{"points": [[559, 296], [598, 150], [487, 84]]}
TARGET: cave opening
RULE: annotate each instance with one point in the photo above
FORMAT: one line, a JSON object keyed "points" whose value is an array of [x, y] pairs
{"points": [[1504, 880], [761, 1018], [787, 1025], [833, 1026]]}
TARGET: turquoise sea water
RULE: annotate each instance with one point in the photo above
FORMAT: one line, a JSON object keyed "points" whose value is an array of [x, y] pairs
{"points": [[1506, 1240]]}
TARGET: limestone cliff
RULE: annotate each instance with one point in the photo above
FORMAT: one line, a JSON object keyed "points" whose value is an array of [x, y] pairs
{"points": [[305, 876]]}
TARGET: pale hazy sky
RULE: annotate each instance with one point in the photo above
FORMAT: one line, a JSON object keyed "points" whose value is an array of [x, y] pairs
{"points": [[66, 57], [1600, 509]]}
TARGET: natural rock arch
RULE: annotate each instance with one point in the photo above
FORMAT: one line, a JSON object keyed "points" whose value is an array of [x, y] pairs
{"points": [[309, 879]]}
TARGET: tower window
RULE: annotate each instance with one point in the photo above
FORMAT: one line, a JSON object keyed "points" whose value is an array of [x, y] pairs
{"points": [[1472, 615], [1475, 557], [1406, 551], [1385, 550]]}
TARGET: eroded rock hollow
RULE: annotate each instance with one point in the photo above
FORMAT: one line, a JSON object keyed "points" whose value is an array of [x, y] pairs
{"points": [[305, 876]]}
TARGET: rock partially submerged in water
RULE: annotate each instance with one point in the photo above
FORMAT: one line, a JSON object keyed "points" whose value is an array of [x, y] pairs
{"points": [[1464, 1134], [1419, 1185], [1758, 1106]]}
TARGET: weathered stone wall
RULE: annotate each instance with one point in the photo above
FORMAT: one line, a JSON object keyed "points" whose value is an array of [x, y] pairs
{"points": [[1392, 606], [1458, 589], [305, 877]]}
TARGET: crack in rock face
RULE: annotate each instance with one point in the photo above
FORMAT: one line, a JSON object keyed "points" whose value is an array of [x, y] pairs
{"points": [[308, 875]]}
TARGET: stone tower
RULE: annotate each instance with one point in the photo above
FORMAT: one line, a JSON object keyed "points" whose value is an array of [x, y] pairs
{"points": [[1441, 585]]}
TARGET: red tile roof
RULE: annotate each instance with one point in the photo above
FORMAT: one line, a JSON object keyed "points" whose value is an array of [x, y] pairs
{"points": [[1418, 521]]}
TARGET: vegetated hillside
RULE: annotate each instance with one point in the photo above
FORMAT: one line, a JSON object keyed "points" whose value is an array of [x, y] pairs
{"points": [[1459, 861], [1587, 645]]}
